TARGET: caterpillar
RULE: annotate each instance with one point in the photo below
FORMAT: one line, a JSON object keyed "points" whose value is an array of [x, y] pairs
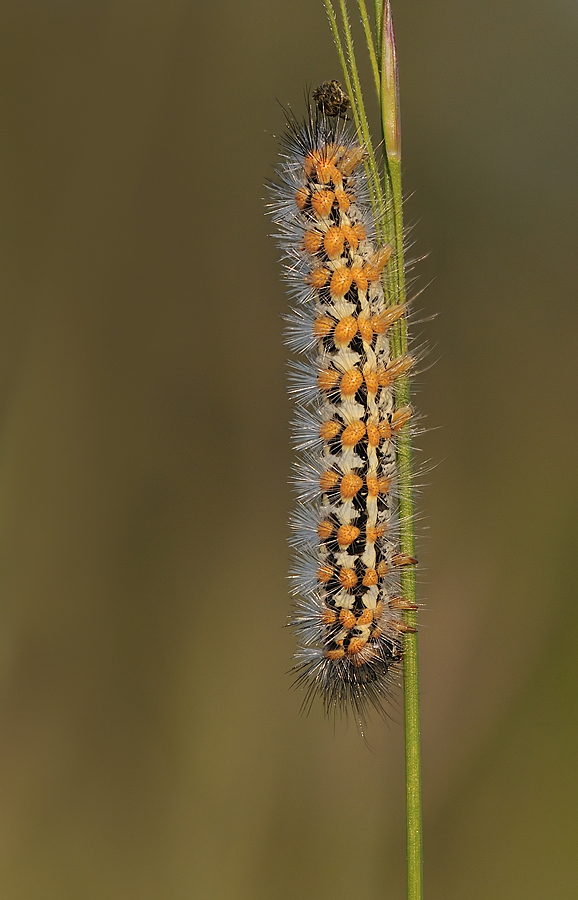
{"points": [[348, 612]]}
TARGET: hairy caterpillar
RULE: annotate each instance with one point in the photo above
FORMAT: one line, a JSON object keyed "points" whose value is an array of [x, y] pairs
{"points": [[348, 612]]}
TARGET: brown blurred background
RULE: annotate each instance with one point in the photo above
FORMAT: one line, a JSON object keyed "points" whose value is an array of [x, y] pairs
{"points": [[150, 746]]}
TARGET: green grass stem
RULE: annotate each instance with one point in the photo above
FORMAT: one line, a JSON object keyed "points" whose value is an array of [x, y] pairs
{"points": [[386, 199], [346, 53], [370, 45], [378, 9]]}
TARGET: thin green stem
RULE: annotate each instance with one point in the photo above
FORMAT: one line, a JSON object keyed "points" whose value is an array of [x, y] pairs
{"points": [[390, 111], [370, 45], [347, 76], [378, 6], [391, 129], [386, 199], [342, 59], [353, 85], [357, 100]]}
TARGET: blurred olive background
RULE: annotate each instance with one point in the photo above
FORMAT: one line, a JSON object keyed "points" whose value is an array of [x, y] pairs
{"points": [[150, 747]]}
